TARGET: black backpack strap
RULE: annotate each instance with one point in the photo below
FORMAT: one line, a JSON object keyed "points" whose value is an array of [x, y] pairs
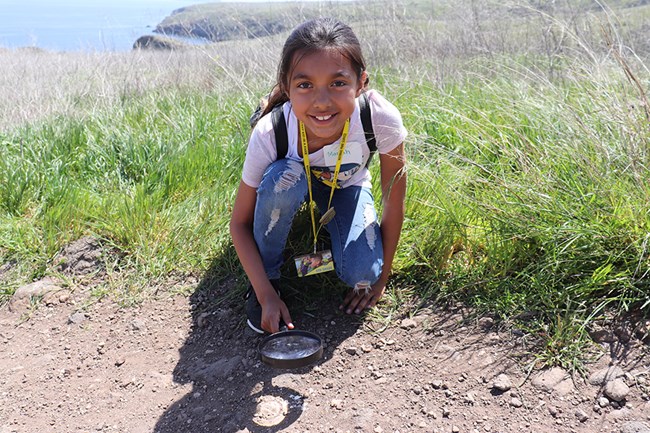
{"points": [[366, 121], [282, 139], [280, 131]]}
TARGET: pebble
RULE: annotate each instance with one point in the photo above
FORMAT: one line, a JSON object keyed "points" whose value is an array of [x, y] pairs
{"points": [[77, 318], [603, 402], [351, 350], [36, 289], [502, 383], [515, 402], [635, 427], [138, 324], [436, 384], [581, 415], [549, 379], [616, 390], [605, 375], [408, 324], [486, 322]]}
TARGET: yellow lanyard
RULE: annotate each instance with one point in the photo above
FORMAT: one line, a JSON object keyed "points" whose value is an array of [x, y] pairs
{"points": [[333, 184]]}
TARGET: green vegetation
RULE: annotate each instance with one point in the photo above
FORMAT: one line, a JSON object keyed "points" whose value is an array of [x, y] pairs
{"points": [[528, 149]]}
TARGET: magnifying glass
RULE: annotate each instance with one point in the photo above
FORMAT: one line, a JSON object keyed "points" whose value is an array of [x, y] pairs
{"points": [[291, 349]]}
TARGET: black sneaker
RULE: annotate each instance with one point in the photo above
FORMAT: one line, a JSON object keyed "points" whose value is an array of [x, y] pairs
{"points": [[254, 309]]}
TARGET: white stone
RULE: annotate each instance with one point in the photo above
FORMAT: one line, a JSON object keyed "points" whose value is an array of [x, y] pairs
{"points": [[502, 383], [617, 390]]}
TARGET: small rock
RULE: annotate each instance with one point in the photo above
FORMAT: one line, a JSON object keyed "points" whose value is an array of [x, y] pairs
{"points": [[446, 412], [581, 415], [564, 388], [408, 324], [635, 427], [486, 322], [549, 379], [515, 402], [336, 404], [120, 362], [138, 324], [603, 402], [351, 350], [455, 429], [502, 383], [36, 289], [616, 390], [77, 318], [605, 375], [436, 384]]}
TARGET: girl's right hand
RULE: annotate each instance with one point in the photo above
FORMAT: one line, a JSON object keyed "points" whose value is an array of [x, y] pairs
{"points": [[274, 311]]}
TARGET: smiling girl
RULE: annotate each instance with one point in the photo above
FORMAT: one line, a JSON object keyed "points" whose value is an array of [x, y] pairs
{"points": [[321, 77]]}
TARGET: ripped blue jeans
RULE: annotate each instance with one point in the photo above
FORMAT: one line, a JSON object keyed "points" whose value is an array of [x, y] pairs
{"points": [[354, 232]]}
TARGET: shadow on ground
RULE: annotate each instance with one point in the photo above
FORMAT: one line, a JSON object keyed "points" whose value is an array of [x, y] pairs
{"points": [[231, 390]]}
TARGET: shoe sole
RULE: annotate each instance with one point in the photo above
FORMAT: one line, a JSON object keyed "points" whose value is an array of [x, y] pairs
{"points": [[253, 327]]}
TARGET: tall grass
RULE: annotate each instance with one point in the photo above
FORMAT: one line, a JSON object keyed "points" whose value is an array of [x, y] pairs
{"points": [[528, 161]]}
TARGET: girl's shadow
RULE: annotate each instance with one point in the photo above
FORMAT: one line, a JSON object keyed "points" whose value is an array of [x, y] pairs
{"points": [[227, 388]]}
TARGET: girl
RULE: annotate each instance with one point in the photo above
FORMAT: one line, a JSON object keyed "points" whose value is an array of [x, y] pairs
{"points": [[321, 74]]}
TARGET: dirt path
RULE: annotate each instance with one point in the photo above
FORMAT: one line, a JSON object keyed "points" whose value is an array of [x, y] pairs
{"points": [[178, 364]]}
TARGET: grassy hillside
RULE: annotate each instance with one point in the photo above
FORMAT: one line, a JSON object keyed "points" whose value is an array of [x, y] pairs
{"points": [[528, 152], [233, 21]]}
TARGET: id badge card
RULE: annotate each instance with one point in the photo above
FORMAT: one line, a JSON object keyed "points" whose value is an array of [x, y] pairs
{"points": [[316, 263]]}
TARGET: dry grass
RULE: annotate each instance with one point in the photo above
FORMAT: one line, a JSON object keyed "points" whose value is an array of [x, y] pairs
{"points": [[38, 84]]}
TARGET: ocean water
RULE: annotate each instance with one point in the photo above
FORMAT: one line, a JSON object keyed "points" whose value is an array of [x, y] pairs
{"points": [[82, 25]]}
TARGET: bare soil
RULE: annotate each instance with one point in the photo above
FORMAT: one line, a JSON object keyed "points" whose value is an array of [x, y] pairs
{"points": [[189, 364]]}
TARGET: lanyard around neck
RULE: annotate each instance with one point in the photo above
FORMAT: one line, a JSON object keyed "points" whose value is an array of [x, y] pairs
{"points": [[333, 184]]}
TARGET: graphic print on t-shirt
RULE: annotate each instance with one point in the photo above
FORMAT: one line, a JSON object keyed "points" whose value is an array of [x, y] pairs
{"points": [[350, 163]]}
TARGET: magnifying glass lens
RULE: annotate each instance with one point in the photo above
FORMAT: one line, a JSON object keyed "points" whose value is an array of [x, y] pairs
{"points": [[291, 349]]}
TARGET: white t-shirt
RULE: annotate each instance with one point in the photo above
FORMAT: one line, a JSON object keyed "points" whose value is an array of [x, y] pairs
{"points": [[389, 133]]}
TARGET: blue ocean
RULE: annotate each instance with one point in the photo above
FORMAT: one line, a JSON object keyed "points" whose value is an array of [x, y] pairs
{"points": [[82, 25]]}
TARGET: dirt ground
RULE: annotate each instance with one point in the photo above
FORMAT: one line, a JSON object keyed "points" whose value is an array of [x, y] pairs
{"points": [[189, 364]]}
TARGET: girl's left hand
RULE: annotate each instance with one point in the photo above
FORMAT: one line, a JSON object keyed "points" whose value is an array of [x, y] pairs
{"points": [[358, 301]]}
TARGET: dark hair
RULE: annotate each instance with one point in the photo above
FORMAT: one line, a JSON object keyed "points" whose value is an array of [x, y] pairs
{"points": [[310, 36]]}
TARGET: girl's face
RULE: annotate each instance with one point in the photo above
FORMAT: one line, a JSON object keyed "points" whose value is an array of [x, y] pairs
{"points": [[322, 88]]}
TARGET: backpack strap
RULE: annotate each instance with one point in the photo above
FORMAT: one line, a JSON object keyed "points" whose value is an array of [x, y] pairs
{"points": [[282, 138], [280, 131], [366, 121]]}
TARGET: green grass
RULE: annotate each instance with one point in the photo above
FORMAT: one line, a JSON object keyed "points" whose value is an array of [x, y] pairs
{"points": [[527, 192]]}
